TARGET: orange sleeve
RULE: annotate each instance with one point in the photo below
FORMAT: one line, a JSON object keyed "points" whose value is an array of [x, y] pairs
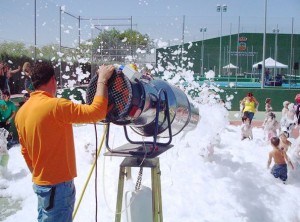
{"points": [[78, 113]]}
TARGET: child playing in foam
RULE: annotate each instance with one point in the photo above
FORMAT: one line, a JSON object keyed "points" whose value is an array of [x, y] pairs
{"points": [[246, 129], [289, 119], [279, 169], [270, 125], [3, 151]]}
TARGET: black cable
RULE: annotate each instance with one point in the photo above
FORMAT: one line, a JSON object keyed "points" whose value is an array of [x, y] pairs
{"points": [[96, 171]]}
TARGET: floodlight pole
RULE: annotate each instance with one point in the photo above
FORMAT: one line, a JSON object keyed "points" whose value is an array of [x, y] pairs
{"points": [[182, 40], [34, 30], [276, 31], [291, 59], [60, 77], [221, 9], [202, 49], [79, 29], [264, 48], [237, 49]]}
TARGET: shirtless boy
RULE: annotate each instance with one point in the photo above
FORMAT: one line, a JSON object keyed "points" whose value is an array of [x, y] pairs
{"points": [[279, 170]]}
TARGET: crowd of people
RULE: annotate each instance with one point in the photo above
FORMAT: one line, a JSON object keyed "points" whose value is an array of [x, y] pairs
{"points": [[277, 133], [7, 107], [8, 111]]}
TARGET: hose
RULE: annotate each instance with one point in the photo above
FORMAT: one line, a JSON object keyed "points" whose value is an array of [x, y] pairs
{"points": [[90, 174]]}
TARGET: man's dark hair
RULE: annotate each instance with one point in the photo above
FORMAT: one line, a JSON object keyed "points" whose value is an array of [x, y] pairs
{"points": [[275, 141], [6, 92], [42, 72]]}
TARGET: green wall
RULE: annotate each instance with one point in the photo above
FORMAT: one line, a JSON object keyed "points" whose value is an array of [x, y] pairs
{"points": [[278, 96]]}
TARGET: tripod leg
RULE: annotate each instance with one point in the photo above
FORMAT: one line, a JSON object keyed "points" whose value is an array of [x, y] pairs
{"points": [[159, 194], [122, 174], [156, 194]]}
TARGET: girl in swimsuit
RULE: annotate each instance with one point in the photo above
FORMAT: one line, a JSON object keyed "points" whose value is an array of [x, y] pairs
{"points": [[250, 105]]}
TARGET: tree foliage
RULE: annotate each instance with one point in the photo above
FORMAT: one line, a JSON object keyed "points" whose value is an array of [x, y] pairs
{"points": [[116, 45], [13, 49]]}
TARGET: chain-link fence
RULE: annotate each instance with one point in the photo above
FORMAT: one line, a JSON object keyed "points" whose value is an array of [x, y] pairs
{"points": [[69, 37]]}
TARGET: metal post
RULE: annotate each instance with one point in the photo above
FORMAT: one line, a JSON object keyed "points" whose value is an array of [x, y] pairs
{"points": [[156, 194], [182, 40], [34, 30], [229, 53], [276, 31], [264, 48], [79, 27], [60, 77], [202, 49], [237, 51], [292, 58], [131, 37], [122, 174], [221, 9]]}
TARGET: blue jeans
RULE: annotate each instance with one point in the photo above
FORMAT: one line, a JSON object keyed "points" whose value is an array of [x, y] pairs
{"points": [[55, 202], [279, 170], [250, 115]]}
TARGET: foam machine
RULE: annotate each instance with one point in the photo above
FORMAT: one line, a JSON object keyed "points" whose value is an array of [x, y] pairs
{"points": [[151, 107]]}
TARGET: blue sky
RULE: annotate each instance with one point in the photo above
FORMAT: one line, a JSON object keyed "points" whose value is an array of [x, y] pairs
{"points": [[158, 18]]}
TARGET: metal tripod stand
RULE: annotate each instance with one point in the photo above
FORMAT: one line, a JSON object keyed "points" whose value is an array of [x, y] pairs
{"points": [[125, 168]]}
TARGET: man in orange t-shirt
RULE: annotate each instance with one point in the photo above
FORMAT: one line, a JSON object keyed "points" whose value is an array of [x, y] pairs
{"points": [[44, 125]]}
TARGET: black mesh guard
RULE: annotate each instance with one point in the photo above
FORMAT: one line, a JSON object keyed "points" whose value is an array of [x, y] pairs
{"points": [[119, 95]]}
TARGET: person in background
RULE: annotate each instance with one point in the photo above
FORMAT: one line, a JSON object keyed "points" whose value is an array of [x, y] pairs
{"points": [[279, 169], [250, 105], [25, 98], [246, 129], [268, 106], [284, 144], [297, 108], [44, 125], [27, 74], [289, 121], [5, 74], [4, 156], [285, 108], [7, 113], [7, 110], [270, 126]]}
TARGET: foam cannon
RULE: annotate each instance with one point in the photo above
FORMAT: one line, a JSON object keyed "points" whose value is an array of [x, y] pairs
{"points": [[150, 107]]}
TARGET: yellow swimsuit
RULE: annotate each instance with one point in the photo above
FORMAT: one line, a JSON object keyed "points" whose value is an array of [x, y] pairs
{"points": [[250, 106]]}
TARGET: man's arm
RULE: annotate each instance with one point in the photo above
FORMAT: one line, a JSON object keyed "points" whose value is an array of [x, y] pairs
{"points": [[104, 74], [256, 102], [27, 158], [15, 70]]}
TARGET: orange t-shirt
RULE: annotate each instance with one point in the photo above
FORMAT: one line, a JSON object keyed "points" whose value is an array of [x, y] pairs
{"points": [[44, 125]]}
